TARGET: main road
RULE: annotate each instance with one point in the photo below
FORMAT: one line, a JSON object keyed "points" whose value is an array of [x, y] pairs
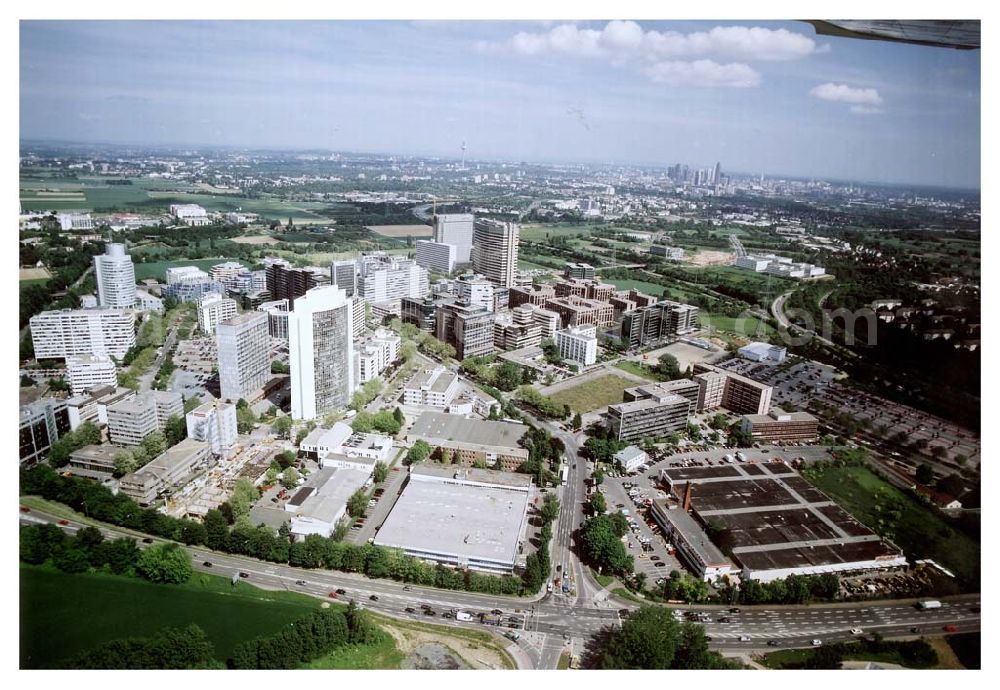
{"points": [[545, 617]]}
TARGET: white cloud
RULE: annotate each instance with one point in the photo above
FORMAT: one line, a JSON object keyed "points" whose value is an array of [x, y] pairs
{"points": [[866, 110], [703, 73], [620, 39], [843, 93]]}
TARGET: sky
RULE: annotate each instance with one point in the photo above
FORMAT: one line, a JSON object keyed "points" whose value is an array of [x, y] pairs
{"points": [[758, 97]]}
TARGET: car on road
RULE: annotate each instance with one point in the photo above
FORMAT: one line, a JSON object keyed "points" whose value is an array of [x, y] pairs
{"points": [[857, 631], [332, 595], [497, 612], [407, 588], [816, 643], [374, 597], [25, 509], [301, 583], [410, 609], [429, 612], [744, 638], [147, 540], [66, 522], [447, 614], [773, 643], [914, 629], [207, 564], [244, 575], [950, 628], [660, 564], [724, 619], [654, 557], [623, 613], [341, 591], [734, 610]]}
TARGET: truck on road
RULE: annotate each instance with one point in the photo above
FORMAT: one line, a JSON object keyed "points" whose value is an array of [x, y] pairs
{"points": [[929, 604], [463, 616], [564, 475]]}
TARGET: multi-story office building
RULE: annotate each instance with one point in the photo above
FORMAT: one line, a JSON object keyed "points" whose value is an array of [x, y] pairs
{"points": [[277, 318], [93, 405], [115, 277], [359, 311], [376, 355], [591, 289], [227, 271], [321, 352], [778, 426], [494, 250], [547, 320], [386, 277], [686, 388], [69, 332], [672, 253], [192, 292], [509, 335], [580, 311], [133, 419], [285, 282], [213, 309], [244, 343], [435, 387], [420, 311], [344, 274], [663, 320], [42, 423], [84, 372], [436, 256], [475, 289], [215, 424], [190, 214], [537, 296], [177, 275], [466, 327], [245, 283], [170, 469], [651, 412], [75, 221], [579, 271], [721, 388], [455, 229], [578, 345], [148, 302]]}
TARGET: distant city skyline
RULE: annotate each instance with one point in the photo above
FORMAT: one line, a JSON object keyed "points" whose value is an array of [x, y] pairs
{"points": [[768, 97]]}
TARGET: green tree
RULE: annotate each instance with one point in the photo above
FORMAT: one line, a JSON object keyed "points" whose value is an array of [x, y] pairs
{"points": [[125, 462], [577, 421], [381, 472], [418, 452], [245, 418], [925, 474], [651, 639], [357, 503], [154, 444], [290, 478], [175, 430], [165, 564], [550, 508], [398, 415], [282, 426], [597, 503], [668, 367], [244, 495]]}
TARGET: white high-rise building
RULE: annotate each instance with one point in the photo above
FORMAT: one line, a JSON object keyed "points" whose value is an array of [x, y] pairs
{"points": [[60, 334], [226, 271], [578, 344], [456, 229], [387, 277], [321, 352], [215, 424], [436, 256], [115, 277], [88, 371], [475, 289], [494, 251], [244, 355], [277, 317], [213, 309]]}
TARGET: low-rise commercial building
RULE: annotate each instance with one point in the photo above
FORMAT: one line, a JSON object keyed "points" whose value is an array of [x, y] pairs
{"points": [[466, 518], [631, 458], [470, 441], [693, 545], [173, 468], [435, 387], [763, 352], [778, 426], [95, 462], [578, 271], [340, 441], [190, 214], [319, 504]]}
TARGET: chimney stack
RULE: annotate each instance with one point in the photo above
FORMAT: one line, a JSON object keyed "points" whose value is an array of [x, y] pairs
{"points": [[687, 498]]}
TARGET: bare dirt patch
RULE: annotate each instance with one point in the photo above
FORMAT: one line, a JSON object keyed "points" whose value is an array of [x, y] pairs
{"points": [[255, 239], [424, 648], [709, 258], [33, 273]]}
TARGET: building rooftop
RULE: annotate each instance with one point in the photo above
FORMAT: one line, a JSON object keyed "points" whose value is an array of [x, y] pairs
{"points": [[693, 534], [657, 401], [471, 474], [629, 453], [463, 521], [328, 499], [449, 427], [102, 454], [438, 379], [779, 415]]}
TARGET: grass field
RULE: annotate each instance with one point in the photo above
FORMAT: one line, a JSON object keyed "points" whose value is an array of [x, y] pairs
{"points": [[639, 369], [920, 532], [62, 615], [594, 393], [32, 281], [746, 327], [793, 658], [382, 655], [417, 230], [651, 289], [158, 269]]}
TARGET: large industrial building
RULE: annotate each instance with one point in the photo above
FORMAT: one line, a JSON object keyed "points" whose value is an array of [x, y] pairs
{"points": [[462, 517], [494, 443], [769, 521]]}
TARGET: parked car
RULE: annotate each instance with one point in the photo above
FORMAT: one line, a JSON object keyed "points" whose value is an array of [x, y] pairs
{"points": [[856, 631], [332, 595], [147, 540], [773, 643], [744, 638], [207, 564], [410, 609], [407, 588]]}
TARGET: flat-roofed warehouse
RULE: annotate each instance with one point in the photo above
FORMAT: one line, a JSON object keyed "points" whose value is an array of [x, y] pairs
{"points": [[494, 443], [463, 517], [772, 522]]}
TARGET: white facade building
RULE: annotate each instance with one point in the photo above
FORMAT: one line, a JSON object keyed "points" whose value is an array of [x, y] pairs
{"points": [[435, 387], [494, 250], [87, 371], [763, 352], [321, 352], [436, 256], [387, 277], [190, 214], [578, 344], [475, 289], [277, 317], [244, 355], [186, 275], [455, 229], [226, 271], [148, 302], [631, 458], [61, 334], [215, 424], [213, 309], [375, 355], [75, 221], [115, 277]]}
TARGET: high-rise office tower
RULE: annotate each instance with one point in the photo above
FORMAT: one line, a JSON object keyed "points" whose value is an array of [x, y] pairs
{"points": [[717, 174], [321, 352], [115, 276], [494, 252], [284, 282], [244, 355], [344, 274], [456, 229]]}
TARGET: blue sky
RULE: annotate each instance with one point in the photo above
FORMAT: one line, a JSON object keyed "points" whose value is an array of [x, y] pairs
{"points": [[766, 97]]}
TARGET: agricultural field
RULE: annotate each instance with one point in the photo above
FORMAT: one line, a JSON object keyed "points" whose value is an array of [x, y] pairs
{"points": [[594, 393], [158, 269], [912, 526], [63, 615], [417, 230]]}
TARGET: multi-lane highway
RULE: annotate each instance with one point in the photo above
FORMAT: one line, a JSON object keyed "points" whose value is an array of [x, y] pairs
{"points": [[550, 624]]}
